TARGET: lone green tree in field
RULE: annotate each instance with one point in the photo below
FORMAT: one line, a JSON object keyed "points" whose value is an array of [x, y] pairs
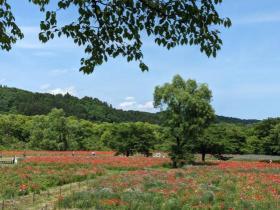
{"points": [[213, 141], [222, 138], [120, 137], [131, 138], [113, 28], [187, 113]]}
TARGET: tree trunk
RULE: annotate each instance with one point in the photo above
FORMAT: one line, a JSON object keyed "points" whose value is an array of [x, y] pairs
{"points": [[126, 153], [203, 154], [174, 164], [177, 153]]}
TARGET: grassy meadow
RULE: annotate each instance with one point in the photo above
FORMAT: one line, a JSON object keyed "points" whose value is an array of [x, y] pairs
{"points": [[81, 181]]}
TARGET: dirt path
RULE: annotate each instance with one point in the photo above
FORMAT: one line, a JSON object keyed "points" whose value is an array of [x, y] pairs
{"points": [[46, 199]]}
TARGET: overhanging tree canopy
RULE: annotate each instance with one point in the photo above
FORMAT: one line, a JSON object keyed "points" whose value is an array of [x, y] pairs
{"points": [[112, 28]]}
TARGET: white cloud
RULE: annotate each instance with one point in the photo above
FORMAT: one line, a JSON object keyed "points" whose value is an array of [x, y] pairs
{"points": [[149, 105], [45, 86], [129, 98], [130, 103], [2, 80], [71, 90], [127, 105]]}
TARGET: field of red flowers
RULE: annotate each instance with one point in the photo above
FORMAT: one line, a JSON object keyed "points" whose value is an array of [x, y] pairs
{"points": [[221, 185], [101, 161], [40, 170], [143, 183]]}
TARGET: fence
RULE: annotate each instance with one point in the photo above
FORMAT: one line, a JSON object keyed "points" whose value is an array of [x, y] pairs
{"points": [[10, 161], [44, 200], [5, 162], [48, 200]]}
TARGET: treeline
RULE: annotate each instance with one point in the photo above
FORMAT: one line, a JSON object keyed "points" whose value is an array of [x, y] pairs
{"points": [[224, 119], [56, 131], [224, 138], [17, 101]]}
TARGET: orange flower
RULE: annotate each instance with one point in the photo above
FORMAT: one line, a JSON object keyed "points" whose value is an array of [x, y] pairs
{"points": [[23, 187], [113, 202]]}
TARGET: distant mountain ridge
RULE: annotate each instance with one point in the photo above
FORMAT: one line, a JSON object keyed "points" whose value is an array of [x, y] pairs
{"points": [[235, 120], [14, 100]]}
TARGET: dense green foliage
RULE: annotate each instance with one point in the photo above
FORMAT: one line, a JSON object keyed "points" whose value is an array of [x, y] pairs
{"points": [[9, 31], [234, 120], [187, 113], [225, 138], [265, 137], [55, 131], [18, 101], [115, 28], [222, 138], [131, 138], [26, 121]]}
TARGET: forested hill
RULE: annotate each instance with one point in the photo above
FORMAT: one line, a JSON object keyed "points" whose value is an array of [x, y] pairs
{"points": [[235, 120], [13, 100]]}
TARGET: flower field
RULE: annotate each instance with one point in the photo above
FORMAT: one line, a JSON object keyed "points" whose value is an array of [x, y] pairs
{"points": [[40, 170], [230, 185], [31, 177], [142, 183], [103, 161]]}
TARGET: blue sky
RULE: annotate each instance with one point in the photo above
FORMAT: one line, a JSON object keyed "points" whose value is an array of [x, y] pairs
{"points": [[244, 78]]}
